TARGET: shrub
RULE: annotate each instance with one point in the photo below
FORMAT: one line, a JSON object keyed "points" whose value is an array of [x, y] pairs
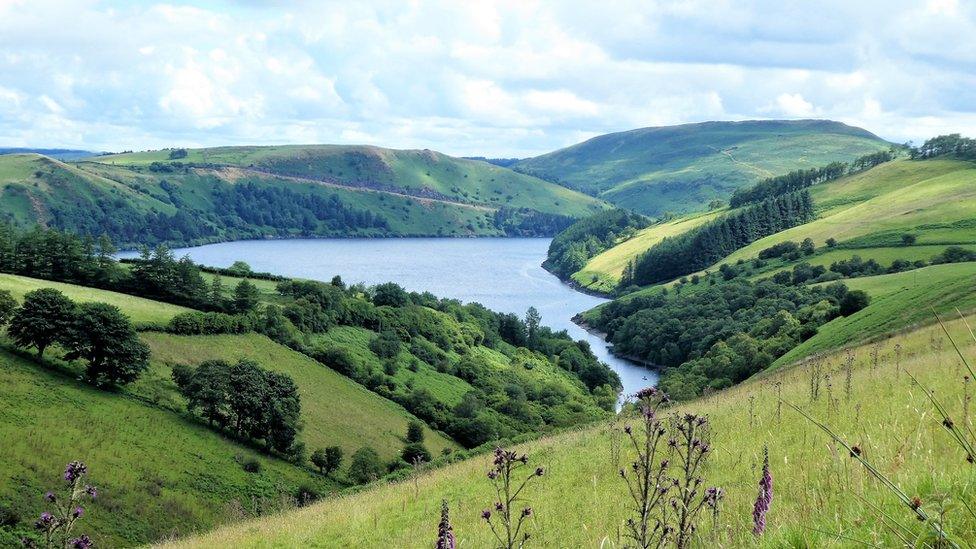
{"points": [[365, 466], [415, 452], [854, 301], [306, 494], [251, 465]]}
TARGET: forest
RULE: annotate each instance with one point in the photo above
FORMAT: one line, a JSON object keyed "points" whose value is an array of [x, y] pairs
{"points": [[699, 248]]}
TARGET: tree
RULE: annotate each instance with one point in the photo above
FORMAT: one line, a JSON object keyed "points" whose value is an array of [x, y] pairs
{"points": [[365, 466], [415, 453], [245, 296], [532, 321], [205, 387], [807, 246], [415, 432], [831, 242], [215, 297], [7, 306], [385, 345], [854, 301], [240, 268], [45, 316], [390, 294], [908, 239], [338, 283], [328, 460], [104, 337]]}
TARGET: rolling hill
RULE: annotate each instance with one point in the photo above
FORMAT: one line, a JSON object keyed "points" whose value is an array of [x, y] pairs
{"points": [[290, 191], [866, 214], [682, 168]]}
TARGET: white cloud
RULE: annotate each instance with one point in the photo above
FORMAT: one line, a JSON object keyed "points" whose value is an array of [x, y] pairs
{"points": [[497, 77], [794, 105]]}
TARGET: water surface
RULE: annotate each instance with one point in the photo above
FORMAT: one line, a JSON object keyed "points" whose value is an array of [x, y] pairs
{"points": [[503, 274]]}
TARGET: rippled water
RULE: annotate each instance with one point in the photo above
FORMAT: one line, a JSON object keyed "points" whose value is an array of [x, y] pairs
{"points": [[503, 274]]}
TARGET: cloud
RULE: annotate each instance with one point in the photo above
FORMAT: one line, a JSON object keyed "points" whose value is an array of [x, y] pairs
{"points": [[497, 77]]}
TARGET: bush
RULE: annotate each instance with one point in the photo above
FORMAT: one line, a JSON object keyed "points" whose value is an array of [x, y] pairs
{"points": [[365, 466], [854, 301], [415, 452], [306, 494], [8, 517], [327, 460], [251, 465]]}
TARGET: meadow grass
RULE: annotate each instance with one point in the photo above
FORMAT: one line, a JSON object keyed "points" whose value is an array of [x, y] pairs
{"points": [[823, 497], [139, 310], [336, 411], [158, 473]]}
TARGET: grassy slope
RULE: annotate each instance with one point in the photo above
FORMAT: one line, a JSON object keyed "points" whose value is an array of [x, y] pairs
{"points": [[581, 502], [158, 473], [335, 409], [921, 197], [463, 180], [603, 271], [139, 309], [897, 300], [682, 168]]}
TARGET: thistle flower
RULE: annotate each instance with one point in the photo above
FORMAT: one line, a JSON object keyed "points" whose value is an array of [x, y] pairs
{"points": [[50, 497], [527, 512], [44, 521], [764, 498], [539, 471], [713, 496], [91, 491], [84, 542], [486, 514], [445, 533], [74, 471], [78, 512]]}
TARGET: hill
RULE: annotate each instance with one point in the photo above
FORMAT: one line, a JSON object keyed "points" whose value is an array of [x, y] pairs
{"points": [[865, 214], [582, 502], [683, 168], [259, 192]]}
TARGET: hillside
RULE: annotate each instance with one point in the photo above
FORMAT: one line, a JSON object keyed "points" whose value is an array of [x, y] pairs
{"points": [[259, 192], [683, 168], [582, 502], [866, 214]]}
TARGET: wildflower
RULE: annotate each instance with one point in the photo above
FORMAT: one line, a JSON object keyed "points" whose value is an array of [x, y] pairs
{"points": [[50, 497], [527, 512], [445, 533], [91, 491], [713, 496], [84, 542], [539, 471], [499, 506], [74, 471], [627, 429], [77, 512], [486, 514], [646, 393], [764, 498], [855, 450], [44, 521]]}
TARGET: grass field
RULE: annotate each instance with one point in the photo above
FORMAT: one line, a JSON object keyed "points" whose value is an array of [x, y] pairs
{"points": [[138, 309], [336, 411], [158, 473], [582, 502], [682, 168]]}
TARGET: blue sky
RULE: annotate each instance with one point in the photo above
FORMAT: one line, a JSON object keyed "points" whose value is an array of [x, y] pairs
{"points": [[472, 78]]}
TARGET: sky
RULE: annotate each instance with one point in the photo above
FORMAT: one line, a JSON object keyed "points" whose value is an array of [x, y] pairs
{"points": [[491, 78]]}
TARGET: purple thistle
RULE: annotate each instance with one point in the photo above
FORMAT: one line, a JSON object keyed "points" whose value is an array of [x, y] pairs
{"points": [[50, 497], [764, 498], [91, 491], [84, 542], [78, 512], [74, 471], [445, 533]]}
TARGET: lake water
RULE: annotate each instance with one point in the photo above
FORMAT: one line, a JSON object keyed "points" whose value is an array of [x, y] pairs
{"points": [[503, 274]]}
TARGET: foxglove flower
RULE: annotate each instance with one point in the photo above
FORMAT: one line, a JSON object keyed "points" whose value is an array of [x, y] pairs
{"points": [[764, 498], [445, 533]]}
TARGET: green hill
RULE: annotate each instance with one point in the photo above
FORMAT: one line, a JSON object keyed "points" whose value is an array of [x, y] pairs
{"points": [[683, 168], [290, 191], [867, 214], [582, 502]]}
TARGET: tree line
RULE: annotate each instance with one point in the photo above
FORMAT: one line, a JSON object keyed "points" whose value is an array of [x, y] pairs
{"points": [[701, 247], [801, 179], [945, 145]]}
